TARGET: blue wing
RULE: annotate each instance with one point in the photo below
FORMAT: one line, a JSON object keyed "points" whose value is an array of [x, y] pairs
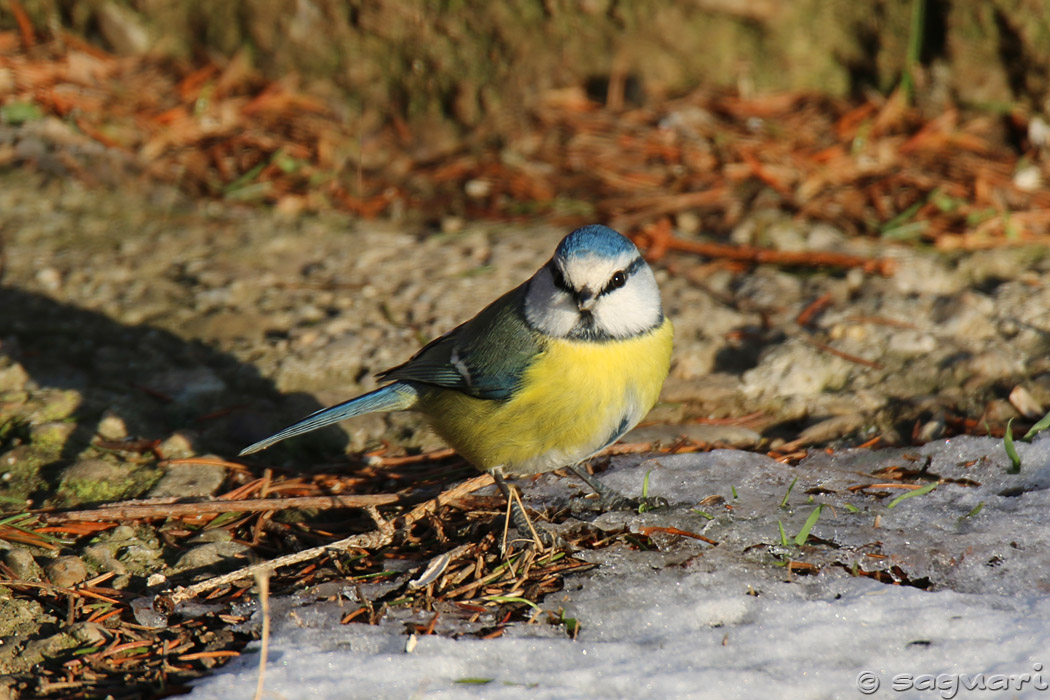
{"points": [[484, 357], [392, 397]]}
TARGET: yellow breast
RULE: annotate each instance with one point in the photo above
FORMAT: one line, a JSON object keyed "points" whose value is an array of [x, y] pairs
{"points": [[575, 399]]}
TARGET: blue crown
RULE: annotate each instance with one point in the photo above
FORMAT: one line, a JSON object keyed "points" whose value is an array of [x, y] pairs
{"points": [[596, 240]]}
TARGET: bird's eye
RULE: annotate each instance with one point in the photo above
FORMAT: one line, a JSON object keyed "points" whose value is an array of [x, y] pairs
{"points": [[618, 280]]}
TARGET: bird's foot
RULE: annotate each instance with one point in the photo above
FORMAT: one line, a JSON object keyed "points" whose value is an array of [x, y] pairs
{"points": [[613, 501], [541, 535]]}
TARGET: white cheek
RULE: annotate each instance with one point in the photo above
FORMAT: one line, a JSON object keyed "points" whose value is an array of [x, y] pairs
{"points": [[549, 309], [628, 311], [632, 309]]}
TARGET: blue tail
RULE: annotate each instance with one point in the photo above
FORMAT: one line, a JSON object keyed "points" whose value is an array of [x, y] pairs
{"points": [[393, 397]]}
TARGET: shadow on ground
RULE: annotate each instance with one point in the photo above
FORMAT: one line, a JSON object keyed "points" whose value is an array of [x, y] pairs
{"points": [[71, 378]]}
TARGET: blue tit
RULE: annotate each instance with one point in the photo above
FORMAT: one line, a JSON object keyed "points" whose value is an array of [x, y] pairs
{"points": [[546, 376]]}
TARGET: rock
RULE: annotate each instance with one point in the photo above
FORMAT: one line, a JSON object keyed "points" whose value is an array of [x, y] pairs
{"points": [[139, 557], [689, 223], [452, 224], [52, 435], [13, 378], [911, 342], [222, 326], [49, 278], [829, 429], [998, 412], [189, 481], [795, 369], [23, 565], [88, 633], [177, 446], [717, 387], [923, 274], [57, 404], [217, 535], [769, 289], [112, 427], [122, 533], [21, 617], [66, 571], [214, 556], [94, 481], [1022, 399], [931, 430], [726, 435], [187, 385], [124, 550], [101, 556], [37, 651], [995, 364]]}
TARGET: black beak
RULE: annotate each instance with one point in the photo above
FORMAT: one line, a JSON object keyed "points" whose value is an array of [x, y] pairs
{"points": [[586, 299]]}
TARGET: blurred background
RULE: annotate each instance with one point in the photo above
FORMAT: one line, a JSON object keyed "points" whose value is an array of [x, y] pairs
{"points": [[574, 111]]}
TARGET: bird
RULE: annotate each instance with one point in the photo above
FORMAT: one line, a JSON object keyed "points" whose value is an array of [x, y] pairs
{"points": [[544, 377]]}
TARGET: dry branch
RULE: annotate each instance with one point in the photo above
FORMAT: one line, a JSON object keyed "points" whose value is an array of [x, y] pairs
{"points": [[380, 537], [119, 511]]}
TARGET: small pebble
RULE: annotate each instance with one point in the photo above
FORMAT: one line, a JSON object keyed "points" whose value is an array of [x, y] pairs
{"points": [[478, 188], [66, 571], [1025, 403], [189, 481], [178, 446], [112, 427], [214, 556], [23, 565], [49, 278], [688, 222]]}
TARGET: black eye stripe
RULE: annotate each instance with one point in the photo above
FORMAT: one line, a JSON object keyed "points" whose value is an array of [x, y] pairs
{"points": [[559, 278], [618, 279]]}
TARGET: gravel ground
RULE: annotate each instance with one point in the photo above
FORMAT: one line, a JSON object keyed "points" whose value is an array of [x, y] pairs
{"points": [[138, 315]]}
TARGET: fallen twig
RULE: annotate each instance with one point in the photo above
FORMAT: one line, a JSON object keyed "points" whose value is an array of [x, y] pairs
{"points": [[381, 536], [843, 355], [120, 511], [661, 241]]}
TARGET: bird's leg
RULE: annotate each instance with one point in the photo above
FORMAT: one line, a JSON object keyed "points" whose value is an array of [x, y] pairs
{"points": [[520, 520], [611, 499]]}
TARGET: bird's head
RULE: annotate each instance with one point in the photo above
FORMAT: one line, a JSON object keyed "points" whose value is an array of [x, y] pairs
{"points": [[596, 287]]}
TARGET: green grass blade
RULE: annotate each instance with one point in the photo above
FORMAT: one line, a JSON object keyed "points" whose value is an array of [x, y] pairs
{"points": [[1011, 451], [784, 500], [803, 534], [1039, 427], [511, 599], [912, 494]]}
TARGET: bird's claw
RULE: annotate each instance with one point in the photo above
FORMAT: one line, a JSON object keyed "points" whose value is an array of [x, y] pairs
{"points": [[613, 501], [647, 503]]}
